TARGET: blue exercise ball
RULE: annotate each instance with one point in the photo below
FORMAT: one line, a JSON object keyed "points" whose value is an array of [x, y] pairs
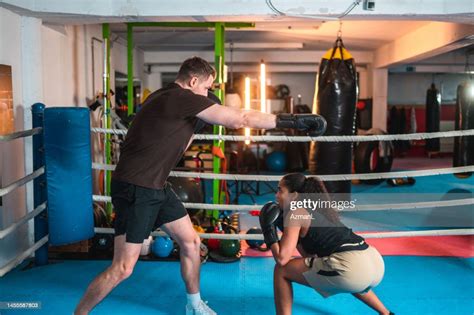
{"points": [[276, 161], [254, 243], [162, 246], [188, 190]]}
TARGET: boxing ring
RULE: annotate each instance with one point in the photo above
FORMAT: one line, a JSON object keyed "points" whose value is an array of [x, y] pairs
{"points": [[431, 285], [338, 177]]}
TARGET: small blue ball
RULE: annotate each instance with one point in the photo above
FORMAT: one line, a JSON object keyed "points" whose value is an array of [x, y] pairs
{"points": [[162, 246], [276, 161]]}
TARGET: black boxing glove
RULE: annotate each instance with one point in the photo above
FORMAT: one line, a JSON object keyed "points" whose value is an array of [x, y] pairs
{"points": [[314, 125], [269, 217]]}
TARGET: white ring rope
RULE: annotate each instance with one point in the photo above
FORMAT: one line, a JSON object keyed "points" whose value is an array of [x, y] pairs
{"points": [[439, 171], [259, 237], [117, 132], [447, 232], [23, 220], [369, 207], [17, 260], [408, 136], [22, 181], [414, 205], [270, 178], [21, 134]]}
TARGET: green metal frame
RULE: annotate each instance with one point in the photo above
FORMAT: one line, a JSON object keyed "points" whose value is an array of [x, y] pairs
{"points": [[130, 26], [108, 123], [219, 50], [192, 24]]}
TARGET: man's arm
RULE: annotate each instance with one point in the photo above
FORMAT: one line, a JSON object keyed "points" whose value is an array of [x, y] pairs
{"points": [[314, 125], [236, 118]]}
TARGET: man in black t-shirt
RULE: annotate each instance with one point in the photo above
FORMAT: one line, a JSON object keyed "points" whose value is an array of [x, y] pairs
{"points": [[155, 142]]}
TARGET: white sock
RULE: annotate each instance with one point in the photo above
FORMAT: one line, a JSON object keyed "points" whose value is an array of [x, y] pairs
{"points": [[194, 299]]}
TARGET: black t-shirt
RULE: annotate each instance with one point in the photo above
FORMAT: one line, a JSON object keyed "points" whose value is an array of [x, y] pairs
{"points": [[325, 237], [158, 136]]}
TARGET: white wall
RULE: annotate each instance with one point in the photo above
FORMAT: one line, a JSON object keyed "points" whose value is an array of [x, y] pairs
{"points": [[67, 64], [299, 83], [12, 52], [52, 65], [73, 58], [410, 88], [153, 81], [65, 59], [119, 60]]}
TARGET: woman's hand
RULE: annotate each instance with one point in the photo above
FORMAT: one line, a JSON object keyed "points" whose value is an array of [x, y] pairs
{"points": [[268, 218], [283, 251], [294, 221]]}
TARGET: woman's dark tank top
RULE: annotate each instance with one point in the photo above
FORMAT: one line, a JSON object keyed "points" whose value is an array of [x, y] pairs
{"points": [[325, 237]]}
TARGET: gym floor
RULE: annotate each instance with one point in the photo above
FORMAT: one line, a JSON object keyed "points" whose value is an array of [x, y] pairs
{"points": [[413, 284]]}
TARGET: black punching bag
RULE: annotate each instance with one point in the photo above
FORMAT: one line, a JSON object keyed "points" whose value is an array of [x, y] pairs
{"points": [[432, 117], [337, 98], [463, 154]]}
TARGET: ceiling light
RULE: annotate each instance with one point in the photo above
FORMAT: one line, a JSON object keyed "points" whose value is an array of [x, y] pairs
{"points": [[247, 105], [263, 87]]}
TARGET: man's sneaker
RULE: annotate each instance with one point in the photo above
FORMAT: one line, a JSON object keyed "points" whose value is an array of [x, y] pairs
{"points": [[201, 309]]}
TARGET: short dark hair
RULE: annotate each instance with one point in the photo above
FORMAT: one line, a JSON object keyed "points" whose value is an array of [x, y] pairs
{"points": [[195, 67]]}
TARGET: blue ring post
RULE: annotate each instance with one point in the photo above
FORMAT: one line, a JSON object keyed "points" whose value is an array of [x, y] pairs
{"points": [[39, 183]]}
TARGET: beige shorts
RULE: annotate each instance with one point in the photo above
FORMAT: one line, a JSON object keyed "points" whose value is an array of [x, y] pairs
{"points": [[355, 271]]}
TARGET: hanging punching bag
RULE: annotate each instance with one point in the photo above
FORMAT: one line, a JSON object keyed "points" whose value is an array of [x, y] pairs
{"points": [[402, 127], [463, 154], [336, 99], [432, 117]]}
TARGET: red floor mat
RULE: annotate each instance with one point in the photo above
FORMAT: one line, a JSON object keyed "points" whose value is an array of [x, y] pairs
{"points": [[447, 246]]}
